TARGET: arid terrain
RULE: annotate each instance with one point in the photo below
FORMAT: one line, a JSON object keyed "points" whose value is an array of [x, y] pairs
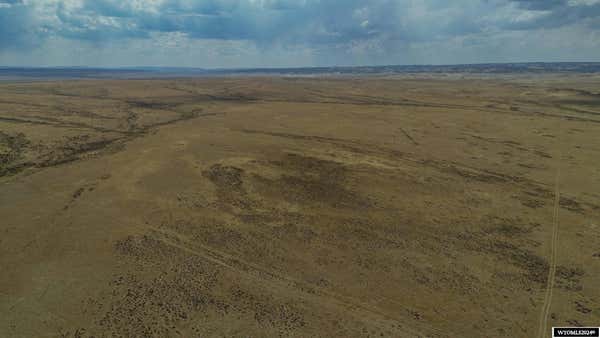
{"points": [[307, 207]]}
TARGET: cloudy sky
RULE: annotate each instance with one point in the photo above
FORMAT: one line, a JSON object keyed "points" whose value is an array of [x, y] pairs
{"points": [[281, 33]]}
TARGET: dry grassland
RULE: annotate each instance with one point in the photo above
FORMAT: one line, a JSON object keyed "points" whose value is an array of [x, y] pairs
{"points": [[299, 207]]}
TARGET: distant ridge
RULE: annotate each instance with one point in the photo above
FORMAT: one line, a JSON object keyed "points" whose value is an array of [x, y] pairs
{"points": [[151, 72]]}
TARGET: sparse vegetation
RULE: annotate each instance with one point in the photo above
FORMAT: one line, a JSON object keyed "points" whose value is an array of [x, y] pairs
{"points": [[272, 206]]}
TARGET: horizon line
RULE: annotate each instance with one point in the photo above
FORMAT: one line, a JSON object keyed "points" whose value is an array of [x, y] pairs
{"points": [[295, 67]]}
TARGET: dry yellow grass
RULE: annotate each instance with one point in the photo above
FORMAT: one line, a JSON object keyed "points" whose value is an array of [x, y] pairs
{"points": [[299, 207]]}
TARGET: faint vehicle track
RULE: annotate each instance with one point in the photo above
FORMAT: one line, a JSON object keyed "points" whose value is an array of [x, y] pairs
{"points": [[412, 140], [547, 303], [237, 264]]}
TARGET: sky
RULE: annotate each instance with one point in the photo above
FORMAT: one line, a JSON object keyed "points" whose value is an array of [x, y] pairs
{"points": [[295, 33]]}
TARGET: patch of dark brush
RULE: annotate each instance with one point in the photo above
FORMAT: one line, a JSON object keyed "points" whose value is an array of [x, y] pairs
{"points": [[229, 182], [166, 301], [484, 176], [571, 204], [580, 307], [535, 267], [144, 248], [537, 191], [12, 147], [309, 180], [507, 227], [569, 278], [151, 104]]}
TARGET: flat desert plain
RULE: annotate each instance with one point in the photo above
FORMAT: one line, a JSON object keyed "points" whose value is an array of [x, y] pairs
{"points": [[272, 206]]}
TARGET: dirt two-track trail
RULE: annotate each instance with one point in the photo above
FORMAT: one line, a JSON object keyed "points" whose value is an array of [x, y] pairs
{"points": [[398, 206], [547, 303]]}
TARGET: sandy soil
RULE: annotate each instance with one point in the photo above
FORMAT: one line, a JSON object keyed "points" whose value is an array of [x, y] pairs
{"points": [[299, 207]]}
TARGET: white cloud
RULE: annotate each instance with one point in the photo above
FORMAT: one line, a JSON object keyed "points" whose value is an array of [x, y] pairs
{"points": [[294, 32]]}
